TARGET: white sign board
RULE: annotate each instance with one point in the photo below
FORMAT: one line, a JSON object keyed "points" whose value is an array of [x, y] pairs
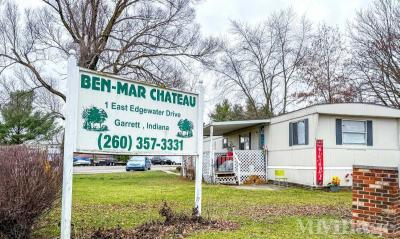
{"points": [[110, 114], [119, 116]]}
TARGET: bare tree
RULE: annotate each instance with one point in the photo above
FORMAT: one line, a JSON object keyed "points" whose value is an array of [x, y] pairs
{"points": [[375, 43], [292, 36], [323, 69], [247, 65], [151, 40], [261, 61]]}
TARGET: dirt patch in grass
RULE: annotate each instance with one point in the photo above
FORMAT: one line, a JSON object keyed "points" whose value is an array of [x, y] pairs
{"points": [[262, 212], [175, 225]]}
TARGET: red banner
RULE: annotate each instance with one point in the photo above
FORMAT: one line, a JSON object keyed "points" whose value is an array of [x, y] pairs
{"points": [[320, 161]]}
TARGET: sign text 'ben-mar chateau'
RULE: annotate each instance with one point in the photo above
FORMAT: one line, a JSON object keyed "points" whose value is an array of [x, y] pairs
{"points": [[116, 115]]}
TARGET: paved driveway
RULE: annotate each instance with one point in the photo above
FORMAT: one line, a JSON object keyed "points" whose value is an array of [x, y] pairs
{"points": [[116, 169]]}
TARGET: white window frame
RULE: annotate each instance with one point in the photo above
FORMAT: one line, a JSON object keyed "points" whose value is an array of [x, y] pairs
{"points": [[355, 132]]}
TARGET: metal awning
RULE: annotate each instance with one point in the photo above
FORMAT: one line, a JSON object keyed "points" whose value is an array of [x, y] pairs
{"points": [[221, 128]]}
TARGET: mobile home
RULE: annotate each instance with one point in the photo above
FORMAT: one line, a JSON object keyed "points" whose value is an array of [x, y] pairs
{"points": [[306, 147]]}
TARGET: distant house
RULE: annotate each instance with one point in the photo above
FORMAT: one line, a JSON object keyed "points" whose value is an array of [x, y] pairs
{"points": [[52, 149], [285, 147]]}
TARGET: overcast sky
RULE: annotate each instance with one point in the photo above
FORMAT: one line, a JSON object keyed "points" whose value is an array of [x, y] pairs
{"points": [[214, 17]]}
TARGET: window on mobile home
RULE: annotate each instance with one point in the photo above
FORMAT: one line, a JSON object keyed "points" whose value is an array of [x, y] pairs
{"points": [[298, 132], [354, 132], [261, 139], [225, 143], [244, 142]]}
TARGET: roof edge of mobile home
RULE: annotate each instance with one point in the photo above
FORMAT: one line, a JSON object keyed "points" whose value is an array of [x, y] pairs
{"points": [[340, 109]]}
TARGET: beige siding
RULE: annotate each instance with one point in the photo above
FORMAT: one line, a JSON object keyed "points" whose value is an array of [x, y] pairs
{"points": [[299, 161], [294, 160], [384, 152], [234, 136], [385, 133]]}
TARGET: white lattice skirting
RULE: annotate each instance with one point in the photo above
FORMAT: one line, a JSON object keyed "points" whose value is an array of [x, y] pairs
{"points": [[252, 162]]}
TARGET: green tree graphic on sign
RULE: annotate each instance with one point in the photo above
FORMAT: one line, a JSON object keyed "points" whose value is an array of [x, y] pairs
{"points": [[94, 118], [186, 128]]}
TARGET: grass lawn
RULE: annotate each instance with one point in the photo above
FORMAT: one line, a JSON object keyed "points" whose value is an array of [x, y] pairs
{"points": [[129, 199]]}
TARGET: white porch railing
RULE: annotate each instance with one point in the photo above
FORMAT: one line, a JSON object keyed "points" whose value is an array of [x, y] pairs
{"points": [[245, 164], [236, 167], [209, 166]]}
